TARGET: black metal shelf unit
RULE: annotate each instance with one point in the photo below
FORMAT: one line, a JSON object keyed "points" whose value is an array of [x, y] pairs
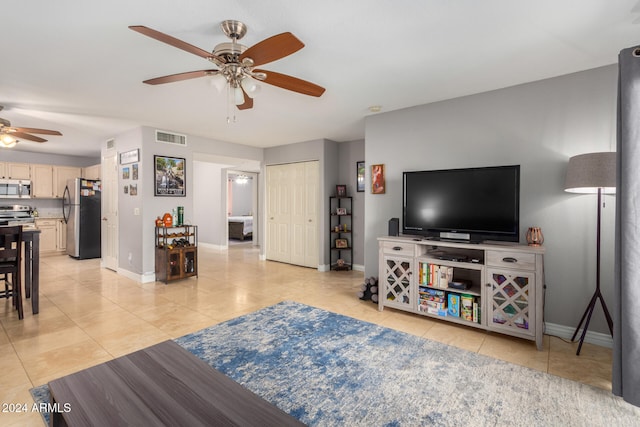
{"points": [[341, 233]]}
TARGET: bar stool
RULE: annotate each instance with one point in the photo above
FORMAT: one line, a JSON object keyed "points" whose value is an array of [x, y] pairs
{"points": [[10, 263]]}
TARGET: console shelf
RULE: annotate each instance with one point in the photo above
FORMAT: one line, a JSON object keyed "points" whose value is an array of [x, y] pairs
{"points": [[176, 252], [496, 287]]}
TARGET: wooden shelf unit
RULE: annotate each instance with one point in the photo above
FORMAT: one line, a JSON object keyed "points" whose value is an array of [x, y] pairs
{"points": [[176, 252]]}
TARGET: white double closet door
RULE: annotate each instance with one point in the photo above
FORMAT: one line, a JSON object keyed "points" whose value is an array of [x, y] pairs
{"points": [[292, 213]]}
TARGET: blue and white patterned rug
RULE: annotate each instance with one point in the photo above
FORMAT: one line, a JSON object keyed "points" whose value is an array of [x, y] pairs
{"points": [[327, 369]]}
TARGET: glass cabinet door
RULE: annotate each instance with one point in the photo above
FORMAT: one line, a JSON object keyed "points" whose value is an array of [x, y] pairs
{"points": [[397, 283], [510, 295]]}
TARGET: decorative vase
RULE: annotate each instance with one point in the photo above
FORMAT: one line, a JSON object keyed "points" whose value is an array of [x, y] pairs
{"points": [[534, 236]]}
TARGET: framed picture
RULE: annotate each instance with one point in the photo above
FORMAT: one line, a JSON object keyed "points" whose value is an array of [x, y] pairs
{"points": [[377, 179], [341, 211], [125, 173], [342, 243], [341, 190], [134, 171], [131, 156], [133, 189], [170, 177], [360, 176]]}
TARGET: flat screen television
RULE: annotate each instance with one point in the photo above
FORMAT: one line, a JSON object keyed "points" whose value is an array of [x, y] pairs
{"points": [[472, 204]]}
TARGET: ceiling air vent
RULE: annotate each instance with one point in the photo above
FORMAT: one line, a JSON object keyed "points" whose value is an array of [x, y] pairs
{"points": [[110, 144], [171, 138]]}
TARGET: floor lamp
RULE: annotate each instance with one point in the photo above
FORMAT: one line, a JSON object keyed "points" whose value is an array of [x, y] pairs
{"points": [[592, 173]]}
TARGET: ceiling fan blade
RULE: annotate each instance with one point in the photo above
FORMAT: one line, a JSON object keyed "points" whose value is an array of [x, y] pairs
{"points": [[291, 83], [35, 130], [27, 136], [248, 102], [273, 48], [180, 76], [172, 41]]}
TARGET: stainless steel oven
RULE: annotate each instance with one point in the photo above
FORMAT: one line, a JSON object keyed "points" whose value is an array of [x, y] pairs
{"points": [[15, 189]]}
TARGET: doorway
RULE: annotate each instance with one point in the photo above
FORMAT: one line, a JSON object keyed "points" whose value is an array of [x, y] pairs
{"points": [[242, 207]]}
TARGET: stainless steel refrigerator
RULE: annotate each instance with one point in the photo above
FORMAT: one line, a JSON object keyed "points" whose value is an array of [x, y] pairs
{"points": [[81, 210]]}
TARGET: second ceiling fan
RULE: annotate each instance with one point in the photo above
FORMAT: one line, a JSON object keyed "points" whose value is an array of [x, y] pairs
{"points": [[236, 63]]}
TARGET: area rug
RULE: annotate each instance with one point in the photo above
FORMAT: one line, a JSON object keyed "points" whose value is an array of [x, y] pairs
{"points": [[328, 369]]}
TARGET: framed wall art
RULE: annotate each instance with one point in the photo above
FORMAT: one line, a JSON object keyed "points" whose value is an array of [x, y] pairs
{"points": [[131, 156], [377, 179], [360, 176], [170, 177], [342, 243], [341, 190]]}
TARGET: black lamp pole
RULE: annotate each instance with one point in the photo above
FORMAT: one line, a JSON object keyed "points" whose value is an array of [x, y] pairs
{"points": [[597, 294]]}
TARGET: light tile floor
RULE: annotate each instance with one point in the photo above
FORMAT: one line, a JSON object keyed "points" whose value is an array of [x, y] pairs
{"points": [[89, 315]]}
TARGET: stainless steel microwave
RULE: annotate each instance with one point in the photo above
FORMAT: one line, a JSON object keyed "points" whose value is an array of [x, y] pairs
{"points": [[15, 189]]}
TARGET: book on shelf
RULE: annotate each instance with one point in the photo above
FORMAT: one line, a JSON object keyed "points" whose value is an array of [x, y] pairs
{"points": [[434, 275], [466, 307], [453, 304]]}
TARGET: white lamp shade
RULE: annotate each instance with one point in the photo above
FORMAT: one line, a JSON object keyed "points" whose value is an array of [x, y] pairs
{"points": [[586, 173], [7, 141]]}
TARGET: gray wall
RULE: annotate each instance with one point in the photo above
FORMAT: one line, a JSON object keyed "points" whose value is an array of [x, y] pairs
{"points": [[538, 125], [136, 252], [349, 153], [326, 152]]}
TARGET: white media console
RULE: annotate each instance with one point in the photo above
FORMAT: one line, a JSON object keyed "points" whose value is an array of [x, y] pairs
{"points": [[493, 286]]}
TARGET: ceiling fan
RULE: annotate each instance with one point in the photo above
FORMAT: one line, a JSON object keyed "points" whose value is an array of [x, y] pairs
{"points": [[9, 135], [236, 63]]}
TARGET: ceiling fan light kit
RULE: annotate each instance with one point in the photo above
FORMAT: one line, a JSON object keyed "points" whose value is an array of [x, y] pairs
{"points": [[236, 64], [7, 141]]}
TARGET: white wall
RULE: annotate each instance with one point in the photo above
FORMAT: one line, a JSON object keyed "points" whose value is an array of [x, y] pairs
{"points": [[538, 125], [241, 198]]}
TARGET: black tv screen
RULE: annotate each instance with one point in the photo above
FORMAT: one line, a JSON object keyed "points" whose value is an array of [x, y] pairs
{"points": [[473, 204]]}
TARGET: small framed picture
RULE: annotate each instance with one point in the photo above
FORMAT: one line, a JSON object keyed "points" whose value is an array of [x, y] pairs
{"points": [[341, 190], [341, 211], [360, 176], [125, 173], [342, 243], [131, 156], [377, 179]]}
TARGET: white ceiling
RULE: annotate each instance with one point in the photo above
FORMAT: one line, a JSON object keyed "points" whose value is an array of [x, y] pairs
{"points": [[74, 66]]}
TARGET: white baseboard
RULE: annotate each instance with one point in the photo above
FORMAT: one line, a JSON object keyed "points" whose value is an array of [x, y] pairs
{"points": [[140, 278], [566, 332]]}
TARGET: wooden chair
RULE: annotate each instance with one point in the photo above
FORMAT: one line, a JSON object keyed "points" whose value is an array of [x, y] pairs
{"points": [[10, 263]]}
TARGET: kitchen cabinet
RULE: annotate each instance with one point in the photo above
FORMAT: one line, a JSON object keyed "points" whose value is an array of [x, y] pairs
{"points": [[91, 172], [53, 235], [60, 176], [42, 182], [48, 235], [15, 170]]}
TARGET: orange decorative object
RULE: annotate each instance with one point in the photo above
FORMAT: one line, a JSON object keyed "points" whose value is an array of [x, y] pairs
{"points": [[534, 236], [167, 219], [159, 222]]}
